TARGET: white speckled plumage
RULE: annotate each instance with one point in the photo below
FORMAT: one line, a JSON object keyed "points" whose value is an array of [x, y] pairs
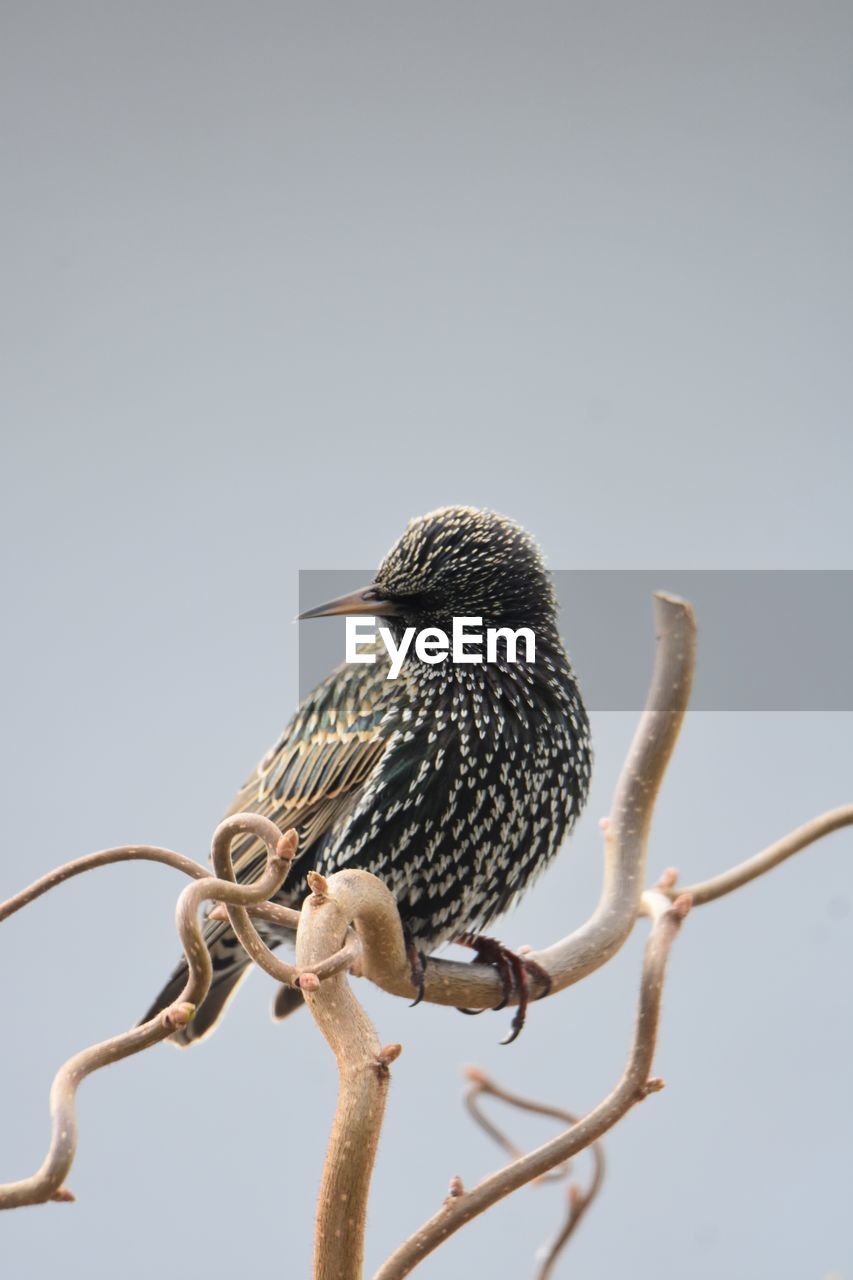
{"points": [[456, 784]]}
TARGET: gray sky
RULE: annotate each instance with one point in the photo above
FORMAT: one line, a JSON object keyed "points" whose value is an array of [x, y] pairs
{"points": [[276, 278]]}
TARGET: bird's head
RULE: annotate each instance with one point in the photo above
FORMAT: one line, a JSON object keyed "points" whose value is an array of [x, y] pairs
{"points": [[457, 562]]}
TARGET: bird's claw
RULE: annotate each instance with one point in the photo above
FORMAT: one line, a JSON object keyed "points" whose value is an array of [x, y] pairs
{"points": [[514, 972], [416, 969]]}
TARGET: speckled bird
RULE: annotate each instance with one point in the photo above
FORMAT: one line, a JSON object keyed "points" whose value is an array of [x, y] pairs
{"points": [[454, 783]]}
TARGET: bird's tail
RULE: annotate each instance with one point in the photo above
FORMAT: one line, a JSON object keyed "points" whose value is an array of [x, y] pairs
{"points": [[230, 966]]}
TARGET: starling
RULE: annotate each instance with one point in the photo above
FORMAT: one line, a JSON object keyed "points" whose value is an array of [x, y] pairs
{"points": [[456, 782]]}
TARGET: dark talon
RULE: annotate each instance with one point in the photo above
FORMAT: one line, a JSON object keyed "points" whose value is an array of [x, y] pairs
{"points": [[416, 967], [541, 974], [515, 1027], [518, 1020], [514, 972], [523, 970]]}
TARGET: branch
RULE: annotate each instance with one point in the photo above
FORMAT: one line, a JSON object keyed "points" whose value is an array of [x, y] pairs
{"points": [[351, 922], [577, 1200], [481, 1084], [104, 858], [250, 940], [269, 911], [363, 1064], [47, 1182], [633, 1087], [767, 859]]}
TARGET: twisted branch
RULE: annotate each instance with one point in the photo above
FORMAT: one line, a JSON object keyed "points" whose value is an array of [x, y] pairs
{"points": [[633, 1087], [481, 1084], [250, 940], [351, 922], [47, 1182], [578, 1200]]}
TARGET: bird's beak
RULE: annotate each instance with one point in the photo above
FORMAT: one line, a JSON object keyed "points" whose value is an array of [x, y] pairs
{"points": [[371, 600]]}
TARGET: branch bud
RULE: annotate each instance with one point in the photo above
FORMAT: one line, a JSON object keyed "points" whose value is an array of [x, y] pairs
{"points": [[477, 1076], [682, 904], [390, 1053], [318, 884], [285, 850], [177, 1015], [654, 1084]]}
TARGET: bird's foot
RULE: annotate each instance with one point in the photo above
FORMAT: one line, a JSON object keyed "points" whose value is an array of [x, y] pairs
{"points": [[417, 961], [514, 972]]}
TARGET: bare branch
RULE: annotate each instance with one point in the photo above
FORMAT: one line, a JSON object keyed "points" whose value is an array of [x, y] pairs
{"points": [[364, 1077], [626, 834], [269, 911], [347, 959], [351, 923], [482, 1084], [578, 1200], [577, 1203], [103, 858], [250, 940], [290, 976], [47, 1182], [631, 1089], [767, 859]]}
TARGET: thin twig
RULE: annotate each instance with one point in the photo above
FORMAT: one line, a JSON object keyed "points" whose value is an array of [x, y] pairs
{"points": [[344, 960], [347, 957], [286, 917], [767, 859], [578, 1199], [103, 858], [250, 940], [481, 1084], [577, 1203]]}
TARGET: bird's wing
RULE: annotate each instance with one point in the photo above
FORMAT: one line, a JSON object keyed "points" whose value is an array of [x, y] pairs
{"points": [[315, 771]]}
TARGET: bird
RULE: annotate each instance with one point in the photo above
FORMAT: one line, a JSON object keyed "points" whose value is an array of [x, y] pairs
{"points": [[454, 783]]}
